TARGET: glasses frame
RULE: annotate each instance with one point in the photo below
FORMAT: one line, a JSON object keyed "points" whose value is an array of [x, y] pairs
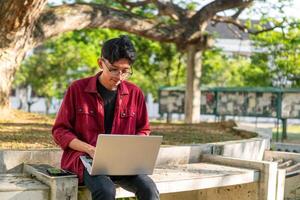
{"points": [[124, 75]]}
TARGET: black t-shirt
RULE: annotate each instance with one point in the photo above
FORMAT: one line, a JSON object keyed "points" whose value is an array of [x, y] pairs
{"points": [[109, 98]]}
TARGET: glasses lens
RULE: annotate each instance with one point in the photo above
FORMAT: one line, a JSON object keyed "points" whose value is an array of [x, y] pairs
{"points": [[126, 75], [116, 72]]}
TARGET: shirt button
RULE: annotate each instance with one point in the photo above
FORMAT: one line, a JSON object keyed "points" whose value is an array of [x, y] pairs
{"points": [[92, 112], [123, 114]]}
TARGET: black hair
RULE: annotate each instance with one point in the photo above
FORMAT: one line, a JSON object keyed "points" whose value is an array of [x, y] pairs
{"points": [[118, 48]]}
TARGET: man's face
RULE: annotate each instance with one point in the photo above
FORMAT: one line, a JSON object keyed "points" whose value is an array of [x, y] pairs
{"points": [[114, 73]]}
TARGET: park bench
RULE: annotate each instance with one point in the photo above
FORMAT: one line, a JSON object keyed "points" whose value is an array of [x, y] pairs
{"points": [[184, 177], [289, 165], [223, 167], [178, 169]]}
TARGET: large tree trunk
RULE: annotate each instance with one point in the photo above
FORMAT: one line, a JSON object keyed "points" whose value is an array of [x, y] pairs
{"points": [[6, 74], [17, 22], [9, 62], [193, 93]]}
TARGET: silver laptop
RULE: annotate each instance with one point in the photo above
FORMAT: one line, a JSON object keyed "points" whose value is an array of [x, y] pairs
{"points": [[123, 155]]}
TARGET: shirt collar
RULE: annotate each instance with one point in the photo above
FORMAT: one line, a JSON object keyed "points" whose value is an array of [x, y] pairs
{"points": [[92, 85]]}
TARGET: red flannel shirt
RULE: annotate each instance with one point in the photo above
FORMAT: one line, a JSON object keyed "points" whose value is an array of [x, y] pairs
{"points": [[81, 116]]}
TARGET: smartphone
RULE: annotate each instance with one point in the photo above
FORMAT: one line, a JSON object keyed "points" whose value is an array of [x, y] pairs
{"points": [[52, 171]]}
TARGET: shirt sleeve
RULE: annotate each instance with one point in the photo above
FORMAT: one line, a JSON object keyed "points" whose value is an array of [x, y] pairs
{"points": [[142, 121], [62, 130]]}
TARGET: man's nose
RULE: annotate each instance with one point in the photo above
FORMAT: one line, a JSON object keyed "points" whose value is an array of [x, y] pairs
{"points": [[119, 76]]}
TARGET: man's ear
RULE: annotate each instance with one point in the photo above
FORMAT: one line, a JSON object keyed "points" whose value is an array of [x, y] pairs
{"points": [[100, 63]]}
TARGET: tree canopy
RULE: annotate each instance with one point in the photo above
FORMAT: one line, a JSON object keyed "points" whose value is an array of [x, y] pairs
{"points": [[26, 24], [74, 55]]}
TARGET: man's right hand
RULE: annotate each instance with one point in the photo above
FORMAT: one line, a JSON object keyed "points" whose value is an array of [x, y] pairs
{"points": [[91, 151], [79, 145]]}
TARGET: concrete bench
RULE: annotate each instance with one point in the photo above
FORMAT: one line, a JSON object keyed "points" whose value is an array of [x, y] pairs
{"points": [[290, 177], [186, 177], [189, 177], [22, 187], [211, 172], [178, 169]]}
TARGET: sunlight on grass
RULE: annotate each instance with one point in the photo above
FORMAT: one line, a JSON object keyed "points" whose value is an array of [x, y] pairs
{"points": [[294, 129], [293, 134], [22, 130]]}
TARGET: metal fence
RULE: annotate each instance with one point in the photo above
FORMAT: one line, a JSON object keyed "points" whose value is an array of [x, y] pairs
{"points": [[269, 102]]}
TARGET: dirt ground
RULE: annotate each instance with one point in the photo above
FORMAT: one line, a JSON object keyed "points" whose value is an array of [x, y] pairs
{"points": [[22, 130]]}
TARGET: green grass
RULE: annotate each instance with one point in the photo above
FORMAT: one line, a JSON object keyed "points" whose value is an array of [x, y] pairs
{"points": [[21, 130], [175, 134], [293, 134]]}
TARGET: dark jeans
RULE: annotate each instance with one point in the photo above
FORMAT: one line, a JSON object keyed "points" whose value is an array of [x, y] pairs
{"points": [[103, 187]]}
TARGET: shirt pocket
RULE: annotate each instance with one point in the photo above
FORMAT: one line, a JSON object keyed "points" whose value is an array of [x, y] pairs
{"points": [[86, 120], [127, 113], [127, 121]]}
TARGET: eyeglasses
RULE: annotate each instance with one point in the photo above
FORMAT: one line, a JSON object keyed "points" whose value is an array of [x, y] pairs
{"points": [[125, 73]]}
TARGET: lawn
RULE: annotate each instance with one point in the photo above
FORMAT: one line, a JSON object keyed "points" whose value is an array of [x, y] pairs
{"points": [[293, 134], [22, 130]]}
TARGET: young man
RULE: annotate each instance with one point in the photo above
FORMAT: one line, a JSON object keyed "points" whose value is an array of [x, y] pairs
{"points": [[105, 103]]}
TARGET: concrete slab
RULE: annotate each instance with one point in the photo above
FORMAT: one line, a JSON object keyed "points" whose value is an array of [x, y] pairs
{"points": [[280, 184], [11, 161], [251, 149], [241, 192], [265, 133], [176, 155], [291, 180], [22, 187], [280, 154], [61, 187], [287, 147], [191, 177], [268, 172], [292, 188]]}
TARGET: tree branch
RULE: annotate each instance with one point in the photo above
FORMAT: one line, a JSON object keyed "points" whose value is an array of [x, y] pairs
{"points": [[201, 17], [165, 8], [237, 14], [170, 9], [243, 27], [211, 9], [230, 20], [56, 20], [132, 5]]}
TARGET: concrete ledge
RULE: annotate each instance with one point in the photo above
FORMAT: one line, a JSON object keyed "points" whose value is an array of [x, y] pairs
{"points": [[176, 155], [280, 184], [268, 155], [265, 133], [177, 167], [61, 187], [252, 149], [186, 177], [11, 161], [22, 187], [268, 172], [287, 147], [191, 177], [289, 179]]}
